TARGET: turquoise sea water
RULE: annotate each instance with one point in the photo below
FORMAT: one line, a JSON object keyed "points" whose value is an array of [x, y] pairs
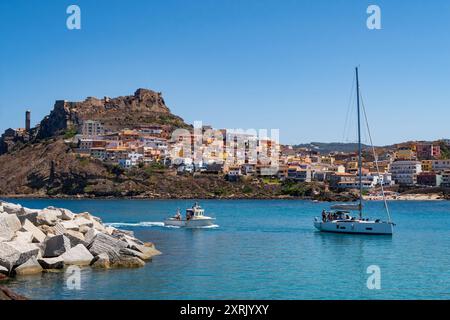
{"points": [[262, 249]]}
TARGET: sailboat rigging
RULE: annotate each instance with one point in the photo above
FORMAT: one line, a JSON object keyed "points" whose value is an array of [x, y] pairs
{"points": [[340, 220]]}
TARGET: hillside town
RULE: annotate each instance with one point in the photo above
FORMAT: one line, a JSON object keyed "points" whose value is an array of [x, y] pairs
{"points": [[233, 155]]}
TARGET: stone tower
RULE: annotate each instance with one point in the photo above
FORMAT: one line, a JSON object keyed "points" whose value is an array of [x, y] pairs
{"points": [[28, 120]]}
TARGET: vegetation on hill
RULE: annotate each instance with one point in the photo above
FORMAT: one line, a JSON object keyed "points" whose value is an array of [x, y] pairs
{"points": [[445, 150], [325, 148]]}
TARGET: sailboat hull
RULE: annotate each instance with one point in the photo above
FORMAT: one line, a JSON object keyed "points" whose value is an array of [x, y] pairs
{"points": [[355, 227]]}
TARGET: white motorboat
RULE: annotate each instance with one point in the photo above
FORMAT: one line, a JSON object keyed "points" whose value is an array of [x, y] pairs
{"points": [[194, 218], [340, 220]]}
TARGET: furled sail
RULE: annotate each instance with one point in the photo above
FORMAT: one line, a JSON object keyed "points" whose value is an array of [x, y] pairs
{"points": [[345, 206]]}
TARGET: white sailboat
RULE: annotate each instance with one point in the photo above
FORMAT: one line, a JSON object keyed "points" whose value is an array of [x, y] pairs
{"points": [[340, 220]]}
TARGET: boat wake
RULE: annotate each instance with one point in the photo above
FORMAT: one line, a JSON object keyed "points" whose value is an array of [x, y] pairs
{"points": [[213, 226], [136, 224], [152, 224]]}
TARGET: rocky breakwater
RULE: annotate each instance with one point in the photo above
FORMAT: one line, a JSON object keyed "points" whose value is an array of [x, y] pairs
{"points": [[34, 241]]}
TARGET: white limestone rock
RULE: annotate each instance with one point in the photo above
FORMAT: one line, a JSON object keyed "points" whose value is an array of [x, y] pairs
{"points": [[109, 230], [15, 253], [90, 235], [70, 225], [51, 238], [30, 214], [85, 215], [129, 239], [77, 255], [59, 229], [75, 238], [98, 226], [51, 263], [45, 229], [101, 262], [147, 251], [83, 222], [103, 243], [38, 235], [128, 262], [84, 229], [9, 225], [32, 266], [12, 208], [132, 253], [66, 214], [48, 217], [24, 236], [120, 234]]}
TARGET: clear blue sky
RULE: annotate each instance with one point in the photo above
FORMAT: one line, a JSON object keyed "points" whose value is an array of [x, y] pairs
{"points": [[236, 64]]}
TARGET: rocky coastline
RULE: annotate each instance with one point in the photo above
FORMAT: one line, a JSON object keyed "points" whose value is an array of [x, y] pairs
{"points": [[33, 241], [332, 197]]}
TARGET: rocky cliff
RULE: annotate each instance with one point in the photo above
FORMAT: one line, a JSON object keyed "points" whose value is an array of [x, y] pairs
{"points": [[145, 107], [43, 165], [46, 166]]}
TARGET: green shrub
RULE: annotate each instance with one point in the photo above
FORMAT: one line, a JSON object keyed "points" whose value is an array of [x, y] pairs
{"points": [[70, 132], [296, 189], [445, 150], [219, 192], [84, 161], [247, 189], [88, 189]]}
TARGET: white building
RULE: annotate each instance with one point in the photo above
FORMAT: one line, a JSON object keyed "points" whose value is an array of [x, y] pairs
{"points": [[234, 171], [152, 130], [446, 179], [154, 142], [125, 163], [248, 169], [134, 157], [384, 178], [91, 128], [299, 174], [338, 169], [98, 153], [85, 145], [354, 184], [440, 165], [186, 168], [405, 172]]}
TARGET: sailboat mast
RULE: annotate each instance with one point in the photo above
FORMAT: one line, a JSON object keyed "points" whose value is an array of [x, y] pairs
{"points": [[359, 146]]}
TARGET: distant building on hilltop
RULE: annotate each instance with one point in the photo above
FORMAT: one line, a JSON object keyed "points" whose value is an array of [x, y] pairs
{"points": [[428, 151], [13, 136], [405, 153]]}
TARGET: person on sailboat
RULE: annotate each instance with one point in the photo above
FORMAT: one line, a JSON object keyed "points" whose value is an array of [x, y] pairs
{"points": [[178, 215]]}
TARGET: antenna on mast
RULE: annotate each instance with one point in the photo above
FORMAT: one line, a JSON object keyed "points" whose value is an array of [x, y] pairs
{"points": [[359, 145]]}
